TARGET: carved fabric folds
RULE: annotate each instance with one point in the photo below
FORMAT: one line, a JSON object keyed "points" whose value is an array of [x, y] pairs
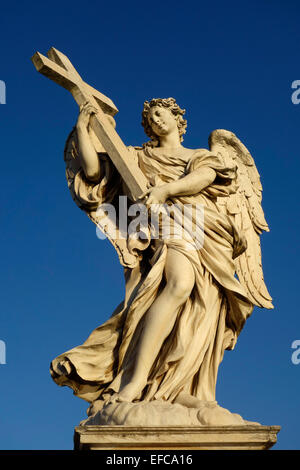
{"points": [[207, 324]]}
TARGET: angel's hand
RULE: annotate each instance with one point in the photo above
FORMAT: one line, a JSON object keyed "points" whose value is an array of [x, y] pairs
{"points": [[86, 110], [156, 195]]}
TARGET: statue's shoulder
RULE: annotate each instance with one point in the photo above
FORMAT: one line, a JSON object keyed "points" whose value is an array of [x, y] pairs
{"points": [[193, 154], [201, 151]]}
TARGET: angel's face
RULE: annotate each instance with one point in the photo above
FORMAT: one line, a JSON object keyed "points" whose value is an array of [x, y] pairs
{"points": [[162, 120]]}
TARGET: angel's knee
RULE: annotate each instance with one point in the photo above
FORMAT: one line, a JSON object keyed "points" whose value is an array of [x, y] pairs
{"points": [[180, 289]]}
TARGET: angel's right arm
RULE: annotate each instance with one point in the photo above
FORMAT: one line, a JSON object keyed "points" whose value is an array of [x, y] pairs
{"points": [[88, 156]]}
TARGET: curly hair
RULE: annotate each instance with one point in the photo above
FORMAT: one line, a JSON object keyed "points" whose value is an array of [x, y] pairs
{"points": [[169, 103]]}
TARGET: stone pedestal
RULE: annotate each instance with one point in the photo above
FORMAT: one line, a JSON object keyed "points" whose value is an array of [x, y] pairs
{"points": [[248, 437]]}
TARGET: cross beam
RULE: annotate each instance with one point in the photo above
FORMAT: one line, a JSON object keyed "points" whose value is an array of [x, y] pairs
{"points": [[58, 68]]}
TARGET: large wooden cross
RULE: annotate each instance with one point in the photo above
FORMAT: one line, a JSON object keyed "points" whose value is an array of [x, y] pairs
{"points": [[59, 69]]}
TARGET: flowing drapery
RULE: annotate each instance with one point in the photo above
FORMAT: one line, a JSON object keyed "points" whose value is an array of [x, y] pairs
{"points": [[208, 322]]}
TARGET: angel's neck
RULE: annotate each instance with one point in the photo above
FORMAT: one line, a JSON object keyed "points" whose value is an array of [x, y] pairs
{"points": [[170, 141]]}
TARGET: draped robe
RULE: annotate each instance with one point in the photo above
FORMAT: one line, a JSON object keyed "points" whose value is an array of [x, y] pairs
{"points": [[206, 324]]}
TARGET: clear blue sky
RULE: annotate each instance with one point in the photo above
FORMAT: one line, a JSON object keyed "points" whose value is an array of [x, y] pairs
{"points": [[230, 65]]}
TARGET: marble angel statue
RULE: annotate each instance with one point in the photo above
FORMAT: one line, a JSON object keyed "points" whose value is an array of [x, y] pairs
{"points": [[182, 308]]}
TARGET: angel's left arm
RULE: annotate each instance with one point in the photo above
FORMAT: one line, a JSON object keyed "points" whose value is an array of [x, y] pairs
{"points": [[191, 184]]}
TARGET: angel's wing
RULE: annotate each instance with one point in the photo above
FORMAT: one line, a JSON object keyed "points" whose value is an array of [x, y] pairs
{"points": [[71, 157], [244, 207]]}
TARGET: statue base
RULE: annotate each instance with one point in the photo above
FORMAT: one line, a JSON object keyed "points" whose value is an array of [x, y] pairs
{"points": [[247, 437]]}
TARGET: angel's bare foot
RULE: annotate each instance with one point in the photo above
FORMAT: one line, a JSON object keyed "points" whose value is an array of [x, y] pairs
{"points": [[188, 400], [128, 393]]}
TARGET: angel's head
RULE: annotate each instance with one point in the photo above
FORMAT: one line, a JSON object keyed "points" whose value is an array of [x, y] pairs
{"points": [[161, 116]]}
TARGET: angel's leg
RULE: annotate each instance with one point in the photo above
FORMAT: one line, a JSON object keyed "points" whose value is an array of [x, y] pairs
{"points": [[159, 321]]}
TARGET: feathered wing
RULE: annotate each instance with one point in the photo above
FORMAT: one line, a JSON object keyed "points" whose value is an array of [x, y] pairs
{"points": [[244, 207], [109, 185]]}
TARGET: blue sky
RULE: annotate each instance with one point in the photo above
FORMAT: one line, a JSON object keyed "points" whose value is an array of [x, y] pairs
{"points": [[230, 65]]}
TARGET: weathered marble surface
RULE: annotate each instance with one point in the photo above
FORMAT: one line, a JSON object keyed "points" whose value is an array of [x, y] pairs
{"points": [[161, 413], [175, 437]]}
